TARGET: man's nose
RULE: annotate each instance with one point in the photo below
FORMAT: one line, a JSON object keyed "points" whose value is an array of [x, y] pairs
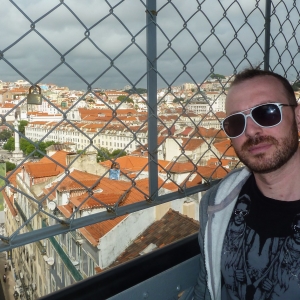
{"points": [[252, 129]]}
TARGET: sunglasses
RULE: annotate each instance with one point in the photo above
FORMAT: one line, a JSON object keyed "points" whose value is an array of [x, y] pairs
{"points": [[242, 213], [264, 115], [296, 229]]}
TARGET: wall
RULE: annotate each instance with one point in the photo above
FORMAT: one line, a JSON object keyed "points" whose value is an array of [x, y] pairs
{"points": [[120, 237]]}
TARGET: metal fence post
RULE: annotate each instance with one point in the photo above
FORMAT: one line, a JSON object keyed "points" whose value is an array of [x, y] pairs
{"points": [[152, 97], [267, 35]]}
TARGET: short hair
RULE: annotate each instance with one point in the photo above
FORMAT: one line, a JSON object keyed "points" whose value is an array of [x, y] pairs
{"points": [[244, 199], [250, 73]]}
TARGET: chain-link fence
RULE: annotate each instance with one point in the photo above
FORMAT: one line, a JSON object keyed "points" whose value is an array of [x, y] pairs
{"points": [[142, 78]]}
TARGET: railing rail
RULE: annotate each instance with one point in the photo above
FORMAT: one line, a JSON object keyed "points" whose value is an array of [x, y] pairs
{"points": [[142, 273]]}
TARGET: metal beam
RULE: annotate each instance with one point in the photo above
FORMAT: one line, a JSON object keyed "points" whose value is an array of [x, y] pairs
{"points": [[68, 225]]}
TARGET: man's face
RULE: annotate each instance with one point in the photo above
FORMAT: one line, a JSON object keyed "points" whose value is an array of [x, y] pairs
{"points": [[263, 150], [240, 212], [296, 232]]}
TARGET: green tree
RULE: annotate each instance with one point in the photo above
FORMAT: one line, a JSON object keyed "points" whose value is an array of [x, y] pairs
{"points": [[136, 91], [28, 147], [22, 125], [81, 151], [125, 99], [10, 144], [296, 86], [24, 144], [9, 166], [5, 135], [176, 100], [44, 145], [103, 154], [217, 76], [118, 153]]}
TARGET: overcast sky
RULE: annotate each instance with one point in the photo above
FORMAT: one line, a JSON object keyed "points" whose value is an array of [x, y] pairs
{"points": [[31, 57]]}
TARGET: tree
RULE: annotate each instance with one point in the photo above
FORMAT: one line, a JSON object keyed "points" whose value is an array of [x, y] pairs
{"points": [[118, 153], [176, 100], [125, 99], [44, 145], [9, 166], [103, 154], [28, 147], [5, 134], [24, 144], [136, 91], [296, 86], [10, 144], [217, 76], [22, 126]]}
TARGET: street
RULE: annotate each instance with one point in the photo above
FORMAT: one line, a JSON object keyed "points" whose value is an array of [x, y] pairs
{"points": [[6, 288]]}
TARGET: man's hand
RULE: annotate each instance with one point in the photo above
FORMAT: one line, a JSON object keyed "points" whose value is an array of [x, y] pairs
{"points": [[267, 284], [240, 275]]}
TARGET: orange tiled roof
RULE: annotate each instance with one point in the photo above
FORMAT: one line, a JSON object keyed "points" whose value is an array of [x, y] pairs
{"points": [[172, 227], [180, 167], [171, 186], [59, 156], [220, 114], [96, 231], [9, 203], [66, 210], [215, 173], [8, 105], [169, 131], [213, 162], [186, 131], [12, 176], [97, 200], [131, 163], [50, 192], [221, 135], [205, 132], [77, 180], [38, 170], [191, 144], [47, 167], [224, 147]]}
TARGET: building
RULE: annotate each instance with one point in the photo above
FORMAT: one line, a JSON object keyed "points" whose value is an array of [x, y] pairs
{"points": [[45, 266]]}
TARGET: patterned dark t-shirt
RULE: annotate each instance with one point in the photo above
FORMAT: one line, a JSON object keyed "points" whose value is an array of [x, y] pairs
{"points": [[261, 249]]}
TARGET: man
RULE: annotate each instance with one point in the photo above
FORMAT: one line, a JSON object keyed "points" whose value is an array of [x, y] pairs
{"points": [[262, 122]]}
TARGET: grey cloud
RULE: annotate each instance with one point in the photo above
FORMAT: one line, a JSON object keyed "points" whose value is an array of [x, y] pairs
{"points": [[34, 57]]}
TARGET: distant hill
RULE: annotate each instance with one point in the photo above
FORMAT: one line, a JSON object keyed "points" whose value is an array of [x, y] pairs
{"points": [[137, 91]]}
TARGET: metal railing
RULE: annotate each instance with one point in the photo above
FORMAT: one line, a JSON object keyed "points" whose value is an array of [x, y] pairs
{"points": [[161, 45], [157, 275]]}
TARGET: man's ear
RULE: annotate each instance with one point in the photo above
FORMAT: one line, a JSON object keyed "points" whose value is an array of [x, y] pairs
{"points": [[297, 116]]}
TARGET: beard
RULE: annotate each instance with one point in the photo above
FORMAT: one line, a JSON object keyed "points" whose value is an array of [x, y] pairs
{"points": [[285, 148]]}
